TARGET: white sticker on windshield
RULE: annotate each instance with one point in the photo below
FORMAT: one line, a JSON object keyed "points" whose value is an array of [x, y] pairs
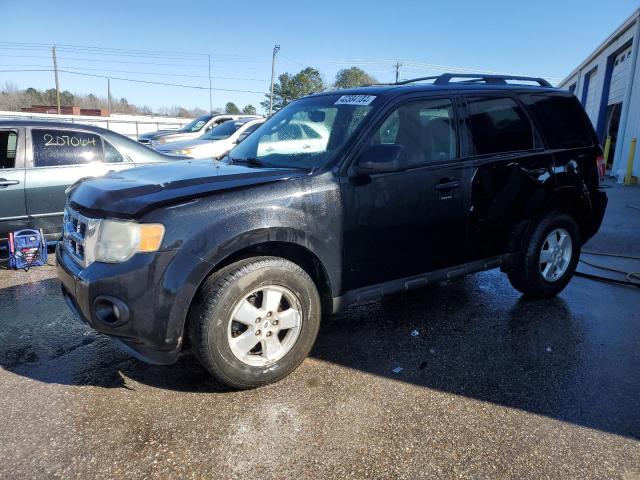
{"points": [[363, 100]]}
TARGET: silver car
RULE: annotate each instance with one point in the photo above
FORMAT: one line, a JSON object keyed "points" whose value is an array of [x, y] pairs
{"points": [[40, 159], [190, 131]]}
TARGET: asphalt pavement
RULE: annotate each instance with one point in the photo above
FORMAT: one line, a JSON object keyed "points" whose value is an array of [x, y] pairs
{"points": [[462, 379]]}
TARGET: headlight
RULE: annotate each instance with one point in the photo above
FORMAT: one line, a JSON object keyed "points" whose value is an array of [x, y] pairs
{"points": [[118, 241], [184, 151]]}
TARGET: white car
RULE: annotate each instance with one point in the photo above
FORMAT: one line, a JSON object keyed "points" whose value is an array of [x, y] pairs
{"points": [[295, 137], [216, 142]]}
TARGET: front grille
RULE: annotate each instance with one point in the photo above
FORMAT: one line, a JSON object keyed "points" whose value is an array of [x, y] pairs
{"points": [[78, 235]]}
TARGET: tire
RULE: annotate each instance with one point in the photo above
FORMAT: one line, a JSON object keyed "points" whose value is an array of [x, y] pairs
{"points": [[536, 279], [224, 309]]}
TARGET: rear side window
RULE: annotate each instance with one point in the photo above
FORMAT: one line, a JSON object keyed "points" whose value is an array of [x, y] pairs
{"points": [[8, 147], [53, 148], [498, 125], [111, 154], [561, 120]]}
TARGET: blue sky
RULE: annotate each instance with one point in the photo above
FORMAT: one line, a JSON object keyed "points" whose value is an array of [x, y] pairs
{"points": [[547, 38]]}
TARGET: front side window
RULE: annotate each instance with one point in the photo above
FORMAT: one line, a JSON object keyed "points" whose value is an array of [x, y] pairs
{"points": [[247, 131], [425, 129], [308, 133], [498, 125], [8, 146], [222, 131], [197, 124], [53, 148]]}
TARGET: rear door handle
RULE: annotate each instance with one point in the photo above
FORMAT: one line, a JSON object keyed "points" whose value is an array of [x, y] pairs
{"points": [[447, 186], [8, 183]]}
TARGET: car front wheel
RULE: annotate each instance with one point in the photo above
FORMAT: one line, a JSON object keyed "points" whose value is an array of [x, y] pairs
{"points": [[255, 321]]}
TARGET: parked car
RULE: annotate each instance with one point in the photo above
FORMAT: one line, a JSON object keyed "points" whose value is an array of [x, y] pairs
{"points": [[417, 182], [190, 131], [296, 137], [215, 143], [40, 159]]}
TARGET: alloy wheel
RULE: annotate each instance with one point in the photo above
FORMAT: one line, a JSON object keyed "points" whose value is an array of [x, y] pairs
{"points": [[265, 325], [555, 254]]}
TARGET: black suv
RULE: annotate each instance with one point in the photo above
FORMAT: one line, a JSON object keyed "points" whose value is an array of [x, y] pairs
{"points": [[340, 197]]}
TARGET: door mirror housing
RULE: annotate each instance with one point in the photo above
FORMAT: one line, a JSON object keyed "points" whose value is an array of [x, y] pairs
{"points": [[381, 159]]}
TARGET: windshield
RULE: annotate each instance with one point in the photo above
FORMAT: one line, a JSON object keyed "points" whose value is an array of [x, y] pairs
{"points": [[307, 133], [222, 131], [197, 124]]}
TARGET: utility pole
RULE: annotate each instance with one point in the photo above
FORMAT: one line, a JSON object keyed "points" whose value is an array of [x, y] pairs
{"points": [[55, 70], [276, 48], [397, 66], [109, 95], [210, 89]]}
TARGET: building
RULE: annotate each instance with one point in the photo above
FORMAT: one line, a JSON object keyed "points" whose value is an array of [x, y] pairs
{"points": [[52, 109], [608, 85]]}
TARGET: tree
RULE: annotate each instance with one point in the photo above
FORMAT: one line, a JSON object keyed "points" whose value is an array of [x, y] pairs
{"points": [[66, 98], [231, 107], [353, 77], [289, 87], [249, 110], [49, 96]]}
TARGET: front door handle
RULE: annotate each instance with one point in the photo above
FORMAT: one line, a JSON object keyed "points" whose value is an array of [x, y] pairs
{"points": [[7, 183], [447, 186]]}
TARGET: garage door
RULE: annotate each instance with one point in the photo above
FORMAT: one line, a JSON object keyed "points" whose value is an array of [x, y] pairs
{"points": [[619, 76], [590, 104]]}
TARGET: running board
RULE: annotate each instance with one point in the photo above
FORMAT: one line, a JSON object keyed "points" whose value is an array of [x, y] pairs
{"points": [[374, 292]]}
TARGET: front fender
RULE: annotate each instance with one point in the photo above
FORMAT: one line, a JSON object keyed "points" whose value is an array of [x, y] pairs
{"points": [[206, 231]]}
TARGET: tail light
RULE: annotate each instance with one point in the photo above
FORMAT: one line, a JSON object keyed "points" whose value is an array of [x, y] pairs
{"points": [[601, 168]]}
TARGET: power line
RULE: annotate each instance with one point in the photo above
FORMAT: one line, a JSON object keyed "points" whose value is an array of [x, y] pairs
{"points": [[92, 50], [106, 61], [86, 48], [138, 72], [197, 87]]}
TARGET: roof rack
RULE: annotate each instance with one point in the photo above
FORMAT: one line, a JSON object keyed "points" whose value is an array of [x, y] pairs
{"points": [[446, 78]]}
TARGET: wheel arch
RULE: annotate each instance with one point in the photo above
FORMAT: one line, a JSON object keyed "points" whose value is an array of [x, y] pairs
{"points": [[296, 253]]}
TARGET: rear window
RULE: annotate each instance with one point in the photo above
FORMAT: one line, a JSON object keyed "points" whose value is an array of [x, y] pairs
{"points": [[561, 119], [498, 125]]}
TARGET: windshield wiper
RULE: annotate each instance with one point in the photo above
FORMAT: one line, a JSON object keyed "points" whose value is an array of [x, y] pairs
{"points": [[249, 161], [259, 163]]}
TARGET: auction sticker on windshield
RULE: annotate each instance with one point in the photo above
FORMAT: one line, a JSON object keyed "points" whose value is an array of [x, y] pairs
{"points": [[363, 100]]}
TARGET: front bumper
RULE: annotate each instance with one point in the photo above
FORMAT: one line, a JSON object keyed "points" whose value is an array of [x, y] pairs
{"points": [[145, 327]]}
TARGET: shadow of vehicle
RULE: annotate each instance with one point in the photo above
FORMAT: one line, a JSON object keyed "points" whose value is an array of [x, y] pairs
{"points": [[473, 337]]}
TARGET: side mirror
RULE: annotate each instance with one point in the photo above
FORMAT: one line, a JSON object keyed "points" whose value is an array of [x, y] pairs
{"points": [[382, 159]]}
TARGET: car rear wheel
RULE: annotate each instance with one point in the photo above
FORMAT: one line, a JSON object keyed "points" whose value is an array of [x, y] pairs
{"points": [[255, 321], [548, 257]]}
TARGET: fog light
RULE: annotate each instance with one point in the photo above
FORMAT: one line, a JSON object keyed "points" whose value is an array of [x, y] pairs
{"points": [[110, 311]]}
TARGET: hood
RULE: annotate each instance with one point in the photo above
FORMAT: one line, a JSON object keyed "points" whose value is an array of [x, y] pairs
{"points": [[182, 144], [155, 135], [130, 193]]}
